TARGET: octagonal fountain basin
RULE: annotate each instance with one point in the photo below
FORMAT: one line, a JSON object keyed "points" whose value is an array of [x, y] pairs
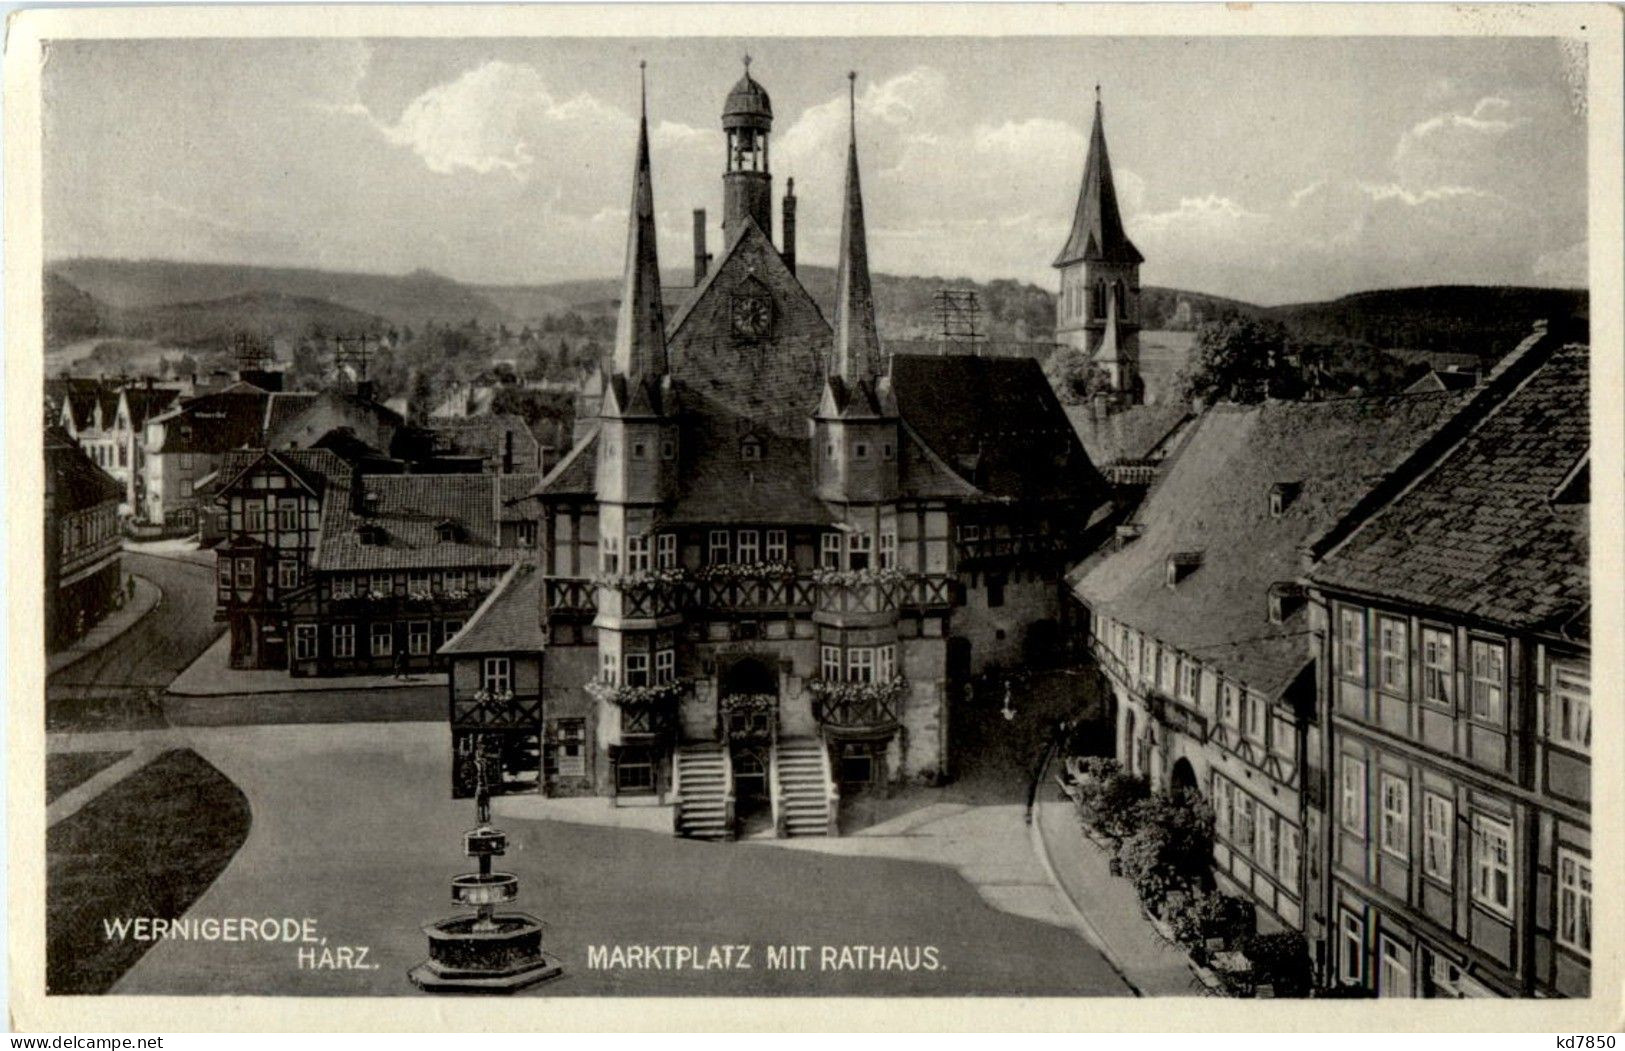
{"points": [[484, 888], [471, 954]]}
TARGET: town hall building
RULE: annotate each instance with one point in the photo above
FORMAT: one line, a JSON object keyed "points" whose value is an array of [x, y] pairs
{"points": [[777, 554]]}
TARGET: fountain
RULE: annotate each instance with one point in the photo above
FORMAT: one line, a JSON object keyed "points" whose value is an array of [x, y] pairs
{"points": [[485, 952]]}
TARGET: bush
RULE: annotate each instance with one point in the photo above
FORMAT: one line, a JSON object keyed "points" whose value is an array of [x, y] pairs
{"points": [[1169, 847], [1108, 796], [1280, 960], [1212, 915]]}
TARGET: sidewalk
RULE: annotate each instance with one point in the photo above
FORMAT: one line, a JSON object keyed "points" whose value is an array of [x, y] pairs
{"points": [[211, 675], [110, 627], [1108, 906]]}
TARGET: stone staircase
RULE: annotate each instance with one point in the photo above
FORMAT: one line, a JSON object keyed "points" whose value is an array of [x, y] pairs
{"points": [[805, 802], [704, 792]]}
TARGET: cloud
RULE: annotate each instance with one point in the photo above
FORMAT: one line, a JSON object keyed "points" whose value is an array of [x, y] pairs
{"points": [[1567, 267]]}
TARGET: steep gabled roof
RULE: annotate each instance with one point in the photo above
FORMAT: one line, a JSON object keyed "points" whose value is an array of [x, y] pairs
{"points": [[74, 480], [508, 621], [1097, 226], [1132, 433], [1495, 529], [717, 484], [997, 424], [1213, 500], [576, 474], [408, 509]]}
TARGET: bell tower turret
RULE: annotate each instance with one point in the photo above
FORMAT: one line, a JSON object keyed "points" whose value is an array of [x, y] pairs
{"points": [[747, 181]]}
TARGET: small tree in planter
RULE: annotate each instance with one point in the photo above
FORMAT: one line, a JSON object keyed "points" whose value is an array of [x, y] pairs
{"points": [[1209, 916], [1280, 961], [1107, 796], [1169, 848]]}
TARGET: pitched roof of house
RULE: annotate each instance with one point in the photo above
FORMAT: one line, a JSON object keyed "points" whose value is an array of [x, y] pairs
{"points": [[147, 402], [320, 470], [1128, 434], [484, 436], [72, 476], [284, 406], [1497, 528], [213, 423], [717, 484], [83, 396], [1213, 502], [576, 474], [997, 424], [508, 620], [409, 509], [371, 421]]}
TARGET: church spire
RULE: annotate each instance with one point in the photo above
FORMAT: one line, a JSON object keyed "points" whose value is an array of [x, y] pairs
{"points": [[640, 327], [1097, 226], [857, 345]]}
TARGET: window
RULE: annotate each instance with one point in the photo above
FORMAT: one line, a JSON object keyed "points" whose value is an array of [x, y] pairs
{"points": [[1190, 677], [1393, 969], [1291, 853], [382, 584], [665, 665], [488, 578], [304, 642], [1352, 811], [1131, 648], [1492, 863], [634, 770], [860, 450], [859, 548], [223, 569], [718, 548], [668, 450], [829, 663], [1438, 666], [1574, 901], [1257, 717], [1245, 821], [1393, 665], [637, 669], [778, 546], [525, 534], [344, 640], [1284, 739], [1571, 706], [572, 748], [609, 669], [749, 546], [640, 451], [860, 664], [1351, 948], [1224, 804], [888, 452], [383, 640], [417, 584], [1351, 643], [887, 559], [666, 551], [448, 629], [609, 556], [342, 587], [245, 572], [1396, 815], [995, 590], [456, 580], [750, 449], [829, 551], [496, 675], [1148, 661], [417, 638], [637, 554], [1489, 681], [1230, 705], [253, 516], [1438, 834], [1264, 848], [885, 663], [287, 573], [287, 515]]}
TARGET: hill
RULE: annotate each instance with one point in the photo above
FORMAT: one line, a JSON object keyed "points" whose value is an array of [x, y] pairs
{"points": [[214, 322], [71, 313]]}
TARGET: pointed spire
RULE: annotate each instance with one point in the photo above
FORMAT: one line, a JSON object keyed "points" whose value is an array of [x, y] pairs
{"points": [[857, 345], [1097, 226], [640, 327]]}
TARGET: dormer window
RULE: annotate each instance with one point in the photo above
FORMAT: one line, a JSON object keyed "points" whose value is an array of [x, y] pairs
{"points": [[750, 449], [1281, 496], [371, 535], [1285, 598], [1127, 534], [447, 531], [1182, 564]]}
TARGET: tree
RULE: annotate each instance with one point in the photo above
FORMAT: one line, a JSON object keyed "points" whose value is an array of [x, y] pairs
{"points": [[1075, 376], [1241, 360]]}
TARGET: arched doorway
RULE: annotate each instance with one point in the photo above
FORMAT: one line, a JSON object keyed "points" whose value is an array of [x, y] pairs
{"points": [[748, 675], [1182, 779]]}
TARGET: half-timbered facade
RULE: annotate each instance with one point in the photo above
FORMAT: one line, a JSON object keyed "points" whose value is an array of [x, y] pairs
{"points": [[1458, 703], [495, 685], [82, 540], [1200, 625]]}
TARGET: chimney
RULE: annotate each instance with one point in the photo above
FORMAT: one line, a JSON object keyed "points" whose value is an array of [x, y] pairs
{"points": [[364, 390], [789, 220], [507, 452], [702, 258], [358, 487]]}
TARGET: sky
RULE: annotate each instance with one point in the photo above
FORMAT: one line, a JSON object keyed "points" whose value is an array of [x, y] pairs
{"points": [[1270, 169]]}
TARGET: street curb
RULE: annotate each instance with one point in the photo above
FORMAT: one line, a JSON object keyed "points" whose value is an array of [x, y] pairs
{"points": [[1086, 927], [138, 618], [331, 684]]}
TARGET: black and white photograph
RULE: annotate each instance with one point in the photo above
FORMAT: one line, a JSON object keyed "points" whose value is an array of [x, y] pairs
{"points": [[763, 514]]}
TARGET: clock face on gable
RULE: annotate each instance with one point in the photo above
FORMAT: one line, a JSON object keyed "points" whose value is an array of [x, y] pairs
{"points": [[752, 316]]}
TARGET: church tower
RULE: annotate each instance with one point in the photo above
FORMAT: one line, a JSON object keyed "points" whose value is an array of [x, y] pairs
{"points": [[747, 182], [1097, 310]]}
